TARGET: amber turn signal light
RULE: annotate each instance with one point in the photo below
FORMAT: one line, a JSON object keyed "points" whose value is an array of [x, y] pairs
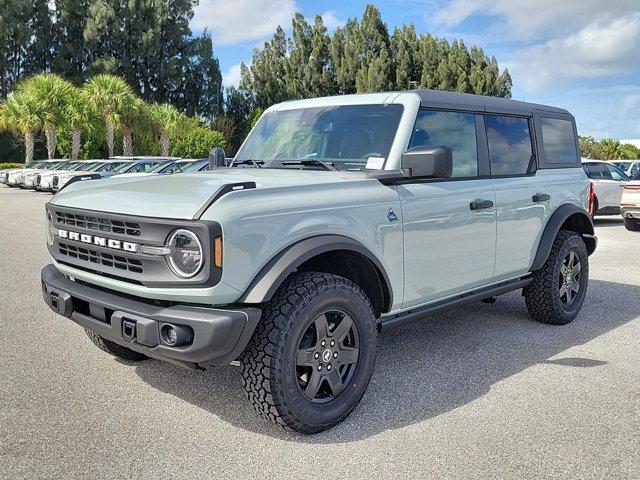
{"points": [[217, 252]]}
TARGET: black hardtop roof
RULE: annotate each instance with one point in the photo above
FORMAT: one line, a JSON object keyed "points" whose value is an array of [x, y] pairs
{"points": [[481, 103]]}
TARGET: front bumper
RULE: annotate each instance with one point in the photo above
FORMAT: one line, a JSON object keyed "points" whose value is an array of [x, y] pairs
{"points": [[218, 336]]}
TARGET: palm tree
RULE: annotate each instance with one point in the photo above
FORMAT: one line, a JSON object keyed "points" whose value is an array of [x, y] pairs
{"points": [[78, 117], [107, 95], [168, 121], [611, 149], [132, 114], [21, 114], [51, 92]]}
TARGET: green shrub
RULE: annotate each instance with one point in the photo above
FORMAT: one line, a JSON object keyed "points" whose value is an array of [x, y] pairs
{"points": [[196, 143], [11, 165]]}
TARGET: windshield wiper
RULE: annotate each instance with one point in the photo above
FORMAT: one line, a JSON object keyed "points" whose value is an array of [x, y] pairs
{"points": [[248, 161], [310, 161]]}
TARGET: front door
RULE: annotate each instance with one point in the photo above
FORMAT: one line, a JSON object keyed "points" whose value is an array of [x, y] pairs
{"points": [[449, 225]]}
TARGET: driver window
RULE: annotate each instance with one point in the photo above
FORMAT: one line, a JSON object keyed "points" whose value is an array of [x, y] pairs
{"points": [[452, 129]]}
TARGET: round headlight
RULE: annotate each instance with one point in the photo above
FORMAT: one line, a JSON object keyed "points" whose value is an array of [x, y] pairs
{"points": [[185, 257], [50, 229]]}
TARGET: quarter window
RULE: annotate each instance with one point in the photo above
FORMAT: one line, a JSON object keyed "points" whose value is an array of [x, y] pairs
{"points": [[451, 129], [510, 147], [559, 141]]}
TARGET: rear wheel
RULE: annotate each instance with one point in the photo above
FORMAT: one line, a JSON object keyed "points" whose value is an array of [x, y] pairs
{"points": [[114, 349], [632, 224], [312, 356], [556, 294]]}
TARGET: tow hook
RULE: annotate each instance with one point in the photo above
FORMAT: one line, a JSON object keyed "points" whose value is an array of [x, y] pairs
{"points": [[129, 330]]}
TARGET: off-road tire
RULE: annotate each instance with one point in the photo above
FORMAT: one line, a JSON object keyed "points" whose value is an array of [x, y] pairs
{"points": [[542, 296], [269, 362], [114, 349], [632, 224]]}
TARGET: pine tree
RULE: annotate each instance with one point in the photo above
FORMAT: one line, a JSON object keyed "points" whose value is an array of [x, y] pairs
{"points": [[320, 73]]}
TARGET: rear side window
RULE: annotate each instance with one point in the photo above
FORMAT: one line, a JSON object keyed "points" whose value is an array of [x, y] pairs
{"points": [[559, 141], [451, 129], [510, 148], [597, 171]]}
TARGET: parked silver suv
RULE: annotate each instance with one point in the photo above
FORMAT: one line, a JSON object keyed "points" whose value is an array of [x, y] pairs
{"points": [[339, 217]]}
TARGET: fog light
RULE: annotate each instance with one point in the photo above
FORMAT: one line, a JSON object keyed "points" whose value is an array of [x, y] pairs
{"points": [[175, 335]]}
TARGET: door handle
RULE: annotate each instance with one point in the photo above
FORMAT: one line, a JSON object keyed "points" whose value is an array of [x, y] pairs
{"points": [[541, 197], [480, 204]]}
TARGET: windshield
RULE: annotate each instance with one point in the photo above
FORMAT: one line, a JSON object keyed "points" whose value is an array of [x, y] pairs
{"points": [[110, 166], [195, 166], [139, 166], [169, 167], [69, 166], [344, 136]]}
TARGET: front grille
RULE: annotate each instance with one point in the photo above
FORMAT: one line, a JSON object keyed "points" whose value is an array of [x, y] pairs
{"points": [[55, 181], [100, 258], [100, 224]]}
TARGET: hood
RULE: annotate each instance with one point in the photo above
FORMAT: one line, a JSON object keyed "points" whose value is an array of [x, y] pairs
{"points": [[180, 196]]}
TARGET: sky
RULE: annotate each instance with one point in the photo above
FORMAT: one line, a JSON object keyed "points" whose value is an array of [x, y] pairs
{"points": [[582, 55]]}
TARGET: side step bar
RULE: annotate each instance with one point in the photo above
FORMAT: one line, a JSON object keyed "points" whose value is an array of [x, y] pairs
{"points": [[418, 313]]}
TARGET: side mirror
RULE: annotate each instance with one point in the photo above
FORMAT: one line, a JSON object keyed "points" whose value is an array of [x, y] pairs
{"points": [[428, 162], [217, 158]]}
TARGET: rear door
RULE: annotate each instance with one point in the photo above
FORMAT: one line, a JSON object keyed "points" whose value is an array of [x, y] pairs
{"points": [[620, 179], [606, 189], [522, 192], [449, 225]]}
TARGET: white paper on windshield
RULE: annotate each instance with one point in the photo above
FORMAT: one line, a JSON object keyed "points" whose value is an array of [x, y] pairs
{"points": [[375, 163]]}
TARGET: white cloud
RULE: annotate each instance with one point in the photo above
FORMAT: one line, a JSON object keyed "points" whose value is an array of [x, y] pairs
{"points": [[599, 49], [231, 77], [526, 18], [236, 21], [331, 21]]}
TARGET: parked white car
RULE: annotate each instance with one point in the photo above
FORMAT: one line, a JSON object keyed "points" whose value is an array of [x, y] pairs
{"points": [[4, 173], [15, 178], [630, 204], [44, 180], [608, 182], [102, 169]]}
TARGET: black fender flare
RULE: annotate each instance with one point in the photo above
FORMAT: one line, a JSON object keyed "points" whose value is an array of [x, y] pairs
{"points": [[274, 273], [552, 228]]}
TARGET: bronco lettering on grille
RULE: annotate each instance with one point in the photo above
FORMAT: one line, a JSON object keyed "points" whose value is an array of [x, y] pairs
{"points": [[99, 241]]}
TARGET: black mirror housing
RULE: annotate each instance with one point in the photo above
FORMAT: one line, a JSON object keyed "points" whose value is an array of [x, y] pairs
{"points": [[217, 158], [428, 162]]}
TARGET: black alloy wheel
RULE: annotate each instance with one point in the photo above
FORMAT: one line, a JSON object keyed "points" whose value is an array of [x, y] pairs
{"points": [[327, 356]]}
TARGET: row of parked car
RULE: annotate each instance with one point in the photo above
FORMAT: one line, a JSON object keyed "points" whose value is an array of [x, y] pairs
{"points": [[616, 185], [52, 175], [616, 191]]}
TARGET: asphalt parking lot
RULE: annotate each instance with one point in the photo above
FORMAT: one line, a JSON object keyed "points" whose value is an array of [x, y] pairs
{"points": [[482, 392]]}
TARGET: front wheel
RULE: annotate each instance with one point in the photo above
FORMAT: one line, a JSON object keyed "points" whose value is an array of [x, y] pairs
{"points": [[311, 358], [556, 294]]}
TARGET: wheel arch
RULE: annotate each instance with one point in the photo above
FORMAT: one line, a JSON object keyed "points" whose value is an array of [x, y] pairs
{"points": [[333, 254], [566, 217]]}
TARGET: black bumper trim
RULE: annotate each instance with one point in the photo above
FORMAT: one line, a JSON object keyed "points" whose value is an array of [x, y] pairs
{"points": [[219, 336]]}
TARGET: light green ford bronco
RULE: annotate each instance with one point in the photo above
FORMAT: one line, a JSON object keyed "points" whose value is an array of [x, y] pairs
{"points": [[340, 217]]}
